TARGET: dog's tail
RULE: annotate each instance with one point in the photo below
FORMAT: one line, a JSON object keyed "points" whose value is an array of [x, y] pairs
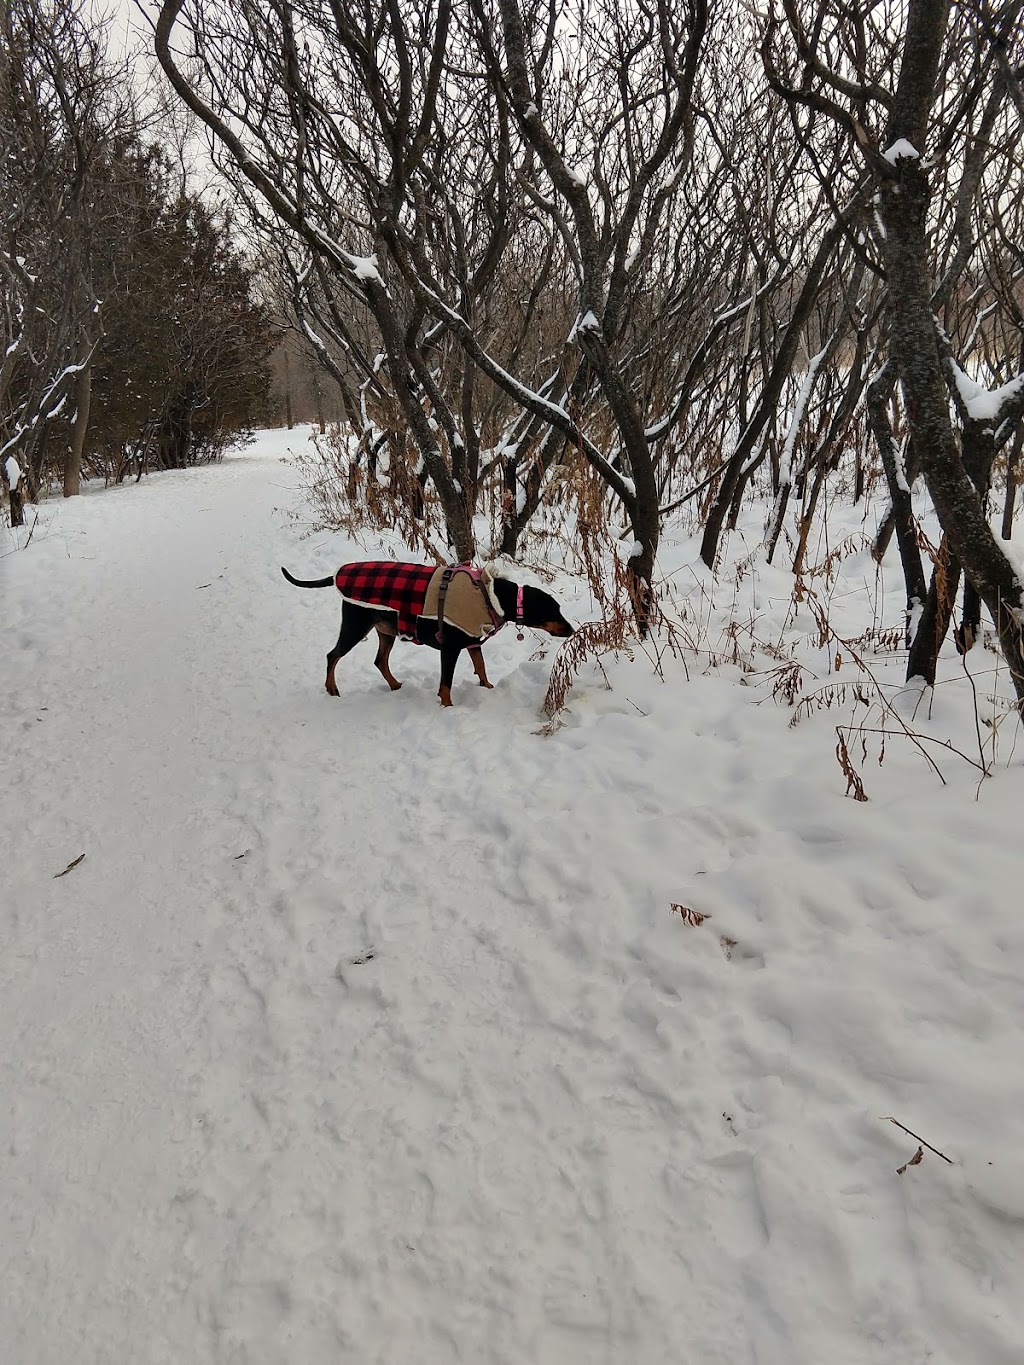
{"points": [[309, 583]]}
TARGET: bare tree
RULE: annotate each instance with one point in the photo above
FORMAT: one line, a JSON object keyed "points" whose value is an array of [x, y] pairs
{"points": [[339, 177], [524, 189], [944, 123]]}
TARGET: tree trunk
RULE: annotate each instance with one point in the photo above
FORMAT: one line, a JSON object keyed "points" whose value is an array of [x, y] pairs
{"points": [[901, 514], [645, 525], [858, 474], [509, 491], [17, 501], [904, 201], [807, 515], [318, 398], [83, 401], [887, 525], [958, 504], [934, 617], [928, 639], [458, 525], [778, 517], [1013, 464]]}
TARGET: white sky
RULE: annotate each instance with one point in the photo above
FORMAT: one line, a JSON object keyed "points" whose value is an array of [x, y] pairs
{"points": [[127, 29]]}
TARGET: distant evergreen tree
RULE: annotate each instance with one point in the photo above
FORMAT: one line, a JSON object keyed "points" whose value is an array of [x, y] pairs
{"points": [[129, 331], [182, 370]]}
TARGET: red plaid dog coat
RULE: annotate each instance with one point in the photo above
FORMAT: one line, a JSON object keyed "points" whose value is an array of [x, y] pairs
{"points": [[397, 587]]}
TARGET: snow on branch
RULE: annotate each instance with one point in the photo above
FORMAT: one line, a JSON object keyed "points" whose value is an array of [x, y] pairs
{"points": [[587, 323], [530, 399], [901, 150], [987, 405], [363, 267]]}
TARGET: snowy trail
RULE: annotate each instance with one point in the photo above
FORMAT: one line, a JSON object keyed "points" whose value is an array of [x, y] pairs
{"points": [[363, 1032]]}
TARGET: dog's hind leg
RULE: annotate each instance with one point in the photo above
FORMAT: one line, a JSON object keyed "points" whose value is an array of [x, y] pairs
{"points": [[477, 660], [450, 652], [355, 626], [385, 643]]}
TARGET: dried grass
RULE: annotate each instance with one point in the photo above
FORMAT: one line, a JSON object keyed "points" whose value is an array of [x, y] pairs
{"points": [[854, 784], [590, 641], [358, 487]]}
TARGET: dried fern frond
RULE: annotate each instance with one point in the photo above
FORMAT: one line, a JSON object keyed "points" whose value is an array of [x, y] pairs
{"points": [[687, 914], [589, 641]]}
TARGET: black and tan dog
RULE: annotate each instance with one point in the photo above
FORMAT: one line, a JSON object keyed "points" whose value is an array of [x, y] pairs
{"points": [[449, 609]]}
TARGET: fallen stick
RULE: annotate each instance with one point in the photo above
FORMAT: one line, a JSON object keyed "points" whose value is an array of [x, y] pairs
{"points": [[69, 867], [917, 1138]]}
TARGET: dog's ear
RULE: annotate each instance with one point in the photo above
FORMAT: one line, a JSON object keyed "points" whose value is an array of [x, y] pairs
{"points": [[488, 573]]}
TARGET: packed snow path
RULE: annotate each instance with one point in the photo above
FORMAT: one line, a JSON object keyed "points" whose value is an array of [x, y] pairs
{"points": [[364, 1032]]}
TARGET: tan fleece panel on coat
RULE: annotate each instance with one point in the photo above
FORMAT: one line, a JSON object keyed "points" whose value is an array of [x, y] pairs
{"points": [[465, 605]]}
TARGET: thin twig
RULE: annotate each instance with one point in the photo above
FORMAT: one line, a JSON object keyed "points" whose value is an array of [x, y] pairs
{"points": [[887, 1118], [925, 739], [985, 771], [826, 625], [69, 867]]}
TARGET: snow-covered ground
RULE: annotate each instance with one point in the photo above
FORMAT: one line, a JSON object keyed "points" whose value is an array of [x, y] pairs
{"points": [[365, 1031]]}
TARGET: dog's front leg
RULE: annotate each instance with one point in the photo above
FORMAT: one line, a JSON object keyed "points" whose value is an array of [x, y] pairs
{"points": [[449, 658], [476, 658]]}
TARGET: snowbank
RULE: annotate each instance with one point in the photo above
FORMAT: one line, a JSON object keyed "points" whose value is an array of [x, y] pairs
{"points": [[370, 1032]]}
